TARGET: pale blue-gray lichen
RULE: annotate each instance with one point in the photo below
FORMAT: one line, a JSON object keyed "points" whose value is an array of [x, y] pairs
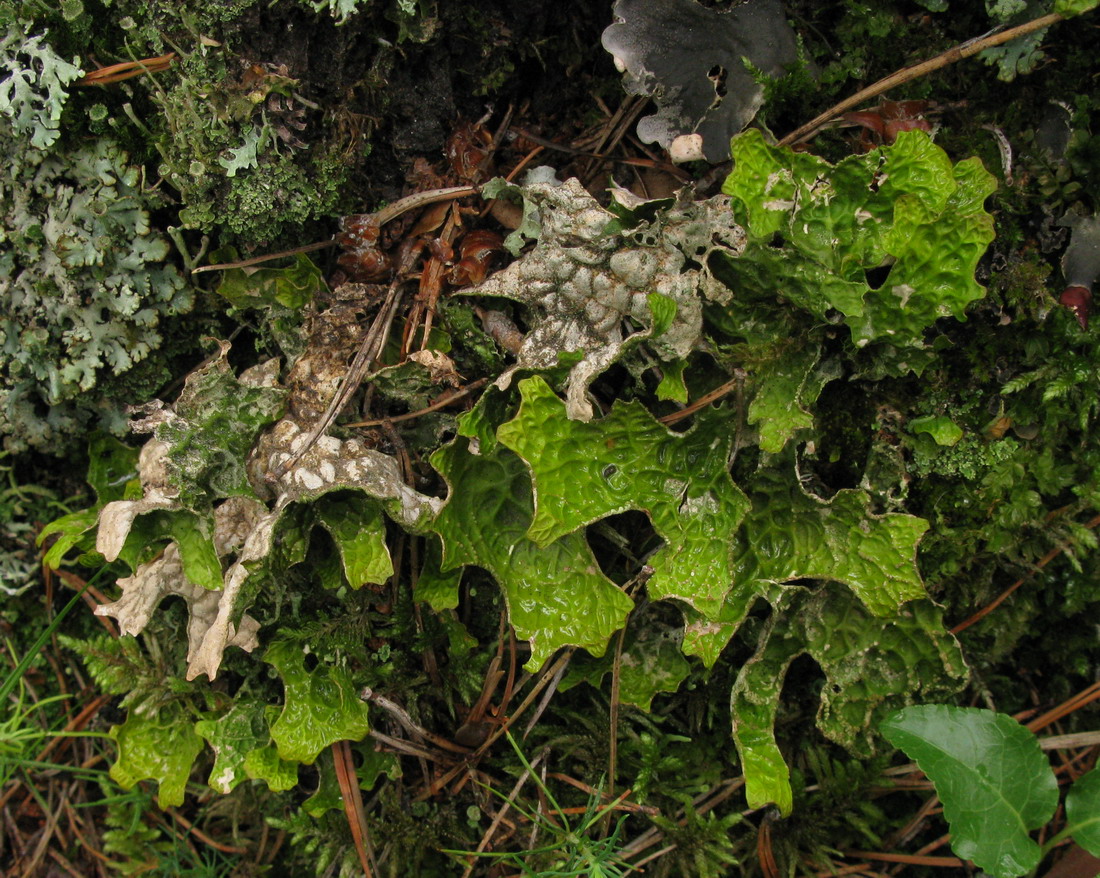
{"points": [[83, 282]]}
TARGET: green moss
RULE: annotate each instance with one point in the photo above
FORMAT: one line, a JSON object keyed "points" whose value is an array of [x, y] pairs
{"points": [[280, 194], [971, 458]]}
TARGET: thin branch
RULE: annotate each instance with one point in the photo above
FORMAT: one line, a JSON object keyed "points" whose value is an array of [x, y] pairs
{"points": [[353, 804], [127, 70], [400, 745], [544, 702], [500, 815], [1070, 741], [402, 716], [550, 674], [383, 216], [192, 829], [1074, 702], [267, 257], [702, 803], [909, 859], [703, 401], [957, 53], [361, 364], [613, 720], [997, 601]]}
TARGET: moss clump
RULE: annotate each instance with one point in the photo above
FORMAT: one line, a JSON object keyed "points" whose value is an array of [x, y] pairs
{"points": [[233, 148], [282, 193]]}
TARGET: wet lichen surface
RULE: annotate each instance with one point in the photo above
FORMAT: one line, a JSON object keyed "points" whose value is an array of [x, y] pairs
{"points": [[685, 477]]}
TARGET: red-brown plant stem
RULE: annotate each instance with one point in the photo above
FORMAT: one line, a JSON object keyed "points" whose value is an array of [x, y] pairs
{"points": [[353, 802], [997, 601]]}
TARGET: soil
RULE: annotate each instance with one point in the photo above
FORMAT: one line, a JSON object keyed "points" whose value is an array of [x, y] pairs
{"points": [[535, 61]]}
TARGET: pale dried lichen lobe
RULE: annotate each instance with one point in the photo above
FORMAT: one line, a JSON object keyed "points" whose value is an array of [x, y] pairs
{"points": [[244, 528], [591, 290]]}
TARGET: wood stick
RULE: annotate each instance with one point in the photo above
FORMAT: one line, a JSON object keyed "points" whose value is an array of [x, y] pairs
{"points": [[957, 53]]}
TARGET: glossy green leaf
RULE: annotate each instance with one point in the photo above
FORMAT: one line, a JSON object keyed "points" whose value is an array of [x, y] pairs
{"points": [[194, 534], [816, 230], [320, 707], [373, 765], [778, 405], [1083, 811], [160, 748], [265, 763], [995, 783], [112, 469], [327, 796], [112, 473], [650, 661], [291, 287], [672, 386], [436, 587], [754, 703], [1069, 8], [662, 309], [232, 736], [871, 665], [461, 644], [481, 422], [627, 460], [556, 594], [941, 428], [328, 569], [706, 636], [936, 254], [358, 528], [466, 332], [790, 535], [70, 529], [409, 382], [653, 664]]}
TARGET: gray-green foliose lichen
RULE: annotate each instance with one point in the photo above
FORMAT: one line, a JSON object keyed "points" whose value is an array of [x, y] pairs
{"points": [[84, 286]]}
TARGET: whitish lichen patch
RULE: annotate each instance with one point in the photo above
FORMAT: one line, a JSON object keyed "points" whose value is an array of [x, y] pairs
{"points": [[592, 291]]}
